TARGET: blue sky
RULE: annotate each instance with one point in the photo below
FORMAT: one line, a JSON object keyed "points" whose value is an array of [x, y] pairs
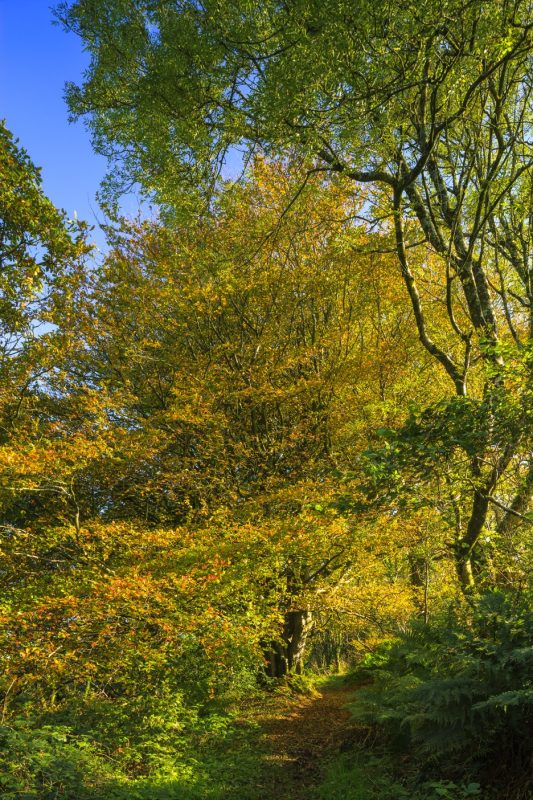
{"points": [[36, 58]]}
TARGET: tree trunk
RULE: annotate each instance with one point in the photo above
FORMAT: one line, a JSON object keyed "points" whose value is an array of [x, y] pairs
{"points": [[419, 577], [286, 656], [464, 557]]}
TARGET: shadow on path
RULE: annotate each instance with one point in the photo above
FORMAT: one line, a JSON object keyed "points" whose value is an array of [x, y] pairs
{"points": [[301, 739]]}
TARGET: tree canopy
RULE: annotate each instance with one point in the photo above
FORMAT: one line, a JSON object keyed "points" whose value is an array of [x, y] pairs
{"points": [[286, 422], [429, 106]]}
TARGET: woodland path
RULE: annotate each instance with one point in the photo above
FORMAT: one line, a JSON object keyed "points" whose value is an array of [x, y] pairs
{"points": [[300, 737]]}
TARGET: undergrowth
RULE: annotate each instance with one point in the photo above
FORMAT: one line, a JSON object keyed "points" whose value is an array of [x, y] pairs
{"points": [[445, 713], [158, 749], [452, 701]]}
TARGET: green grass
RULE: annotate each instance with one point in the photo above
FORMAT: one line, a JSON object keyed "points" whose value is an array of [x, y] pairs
{"points": [[359, 776]]}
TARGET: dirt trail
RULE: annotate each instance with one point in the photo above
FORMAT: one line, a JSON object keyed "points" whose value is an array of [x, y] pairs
{"points": [[300, 738]]}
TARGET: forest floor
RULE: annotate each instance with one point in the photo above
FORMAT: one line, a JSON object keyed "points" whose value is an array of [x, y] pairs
{"points": [[301, 735], [280, 745]]}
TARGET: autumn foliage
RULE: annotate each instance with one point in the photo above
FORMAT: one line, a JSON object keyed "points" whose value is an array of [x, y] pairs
{"points": [[281, 425]]}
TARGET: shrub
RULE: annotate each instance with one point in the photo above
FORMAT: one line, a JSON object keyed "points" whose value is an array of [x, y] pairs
{"points": [[48, 762], [460, 696]]}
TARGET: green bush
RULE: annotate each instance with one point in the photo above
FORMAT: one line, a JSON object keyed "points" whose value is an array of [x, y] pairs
{"points": [[49, 762], [459, 696], [146, 748]]}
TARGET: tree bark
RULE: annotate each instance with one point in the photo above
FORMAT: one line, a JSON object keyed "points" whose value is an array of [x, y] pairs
{"points": [[464, 557], [286, 656]]}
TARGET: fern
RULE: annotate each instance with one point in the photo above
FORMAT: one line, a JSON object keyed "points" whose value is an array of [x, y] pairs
{"points": [[460, 696]]}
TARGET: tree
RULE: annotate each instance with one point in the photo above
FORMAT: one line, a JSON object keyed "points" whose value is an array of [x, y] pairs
{"points": [[176, 493], [41, 257], [428, 105], [232, 373], [42, 263]]}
